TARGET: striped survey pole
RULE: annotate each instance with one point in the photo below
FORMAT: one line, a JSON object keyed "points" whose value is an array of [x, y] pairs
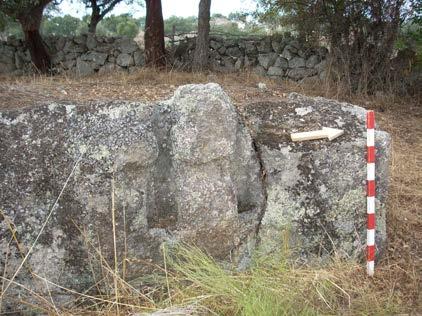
{"points": [[370, 184]]}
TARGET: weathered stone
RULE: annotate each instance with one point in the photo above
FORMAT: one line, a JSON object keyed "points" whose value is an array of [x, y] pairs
{"points": [[126, 45], [312, 61], [323, 52], [316, 189], [249, 61], [259, 70], [300, 73], [91, 42], [70, 56], [124, 60], [321, 66], [7, 59], [296, 62], [108, 68], [84, 68], [250, 48], [234, 52], [238, 64], [183, 169], [277, 46], [267, 60], [7, 54], [281, 62], [222, 50], [228, 64], [275, 71], [287, 54], [71, 47], [58, 58], [139, 58], [294, 45], [60, 43], [215, 45], [264, 46], [96, 57], [69, 64], [103, 48], [80, 39]]}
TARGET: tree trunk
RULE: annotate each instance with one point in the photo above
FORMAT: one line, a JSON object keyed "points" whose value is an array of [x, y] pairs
{"points": [[31, 28], [200, 58], [94, 20], [154, 34]]}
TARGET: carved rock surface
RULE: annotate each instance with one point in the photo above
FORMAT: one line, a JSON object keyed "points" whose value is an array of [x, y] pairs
{"points": [[185, 169], [316, 190], [182, 169]]}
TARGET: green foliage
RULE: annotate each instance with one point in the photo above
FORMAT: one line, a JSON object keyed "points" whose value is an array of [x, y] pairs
{"points": [[120, 25], [66, 25], [181, 24], [270, 287], [9, 27], [16, 8]]}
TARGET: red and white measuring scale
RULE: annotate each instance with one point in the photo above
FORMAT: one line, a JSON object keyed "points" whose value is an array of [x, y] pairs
{"points": [[370, 184]]}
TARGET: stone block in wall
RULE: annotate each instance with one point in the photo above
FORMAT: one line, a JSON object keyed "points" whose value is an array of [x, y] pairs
{"points": [[291, 48], [267, 60], [7, 67], [69, 64], [126, 45], [7, 59], [139, 58], [297, 62], [230, 43], [58, 58], [259, 70], [238, 64], [281, 62], [287, 54], [215, 45], [249, 61], [7, 54], [264, 46], [71, 56], [95, 57], [103, 47], [275, 72], [323, 52], [277, 46], [295, 44], [222, 50], [228, 63], [300, 73], [108, 68], [91, 42], [14, 42], [80, 39], [301, 53], [250, 48], [234, 51], [84, 68], [59, 43], [320, 67], [72, 47], [312, 61], [125, 60]]}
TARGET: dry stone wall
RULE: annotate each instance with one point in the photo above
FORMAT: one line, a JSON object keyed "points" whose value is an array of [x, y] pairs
{"points": [[81, 55], [273, 56], [276, 56]]}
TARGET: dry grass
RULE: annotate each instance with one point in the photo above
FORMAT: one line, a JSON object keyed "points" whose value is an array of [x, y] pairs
{"points": [[397, 285]]}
